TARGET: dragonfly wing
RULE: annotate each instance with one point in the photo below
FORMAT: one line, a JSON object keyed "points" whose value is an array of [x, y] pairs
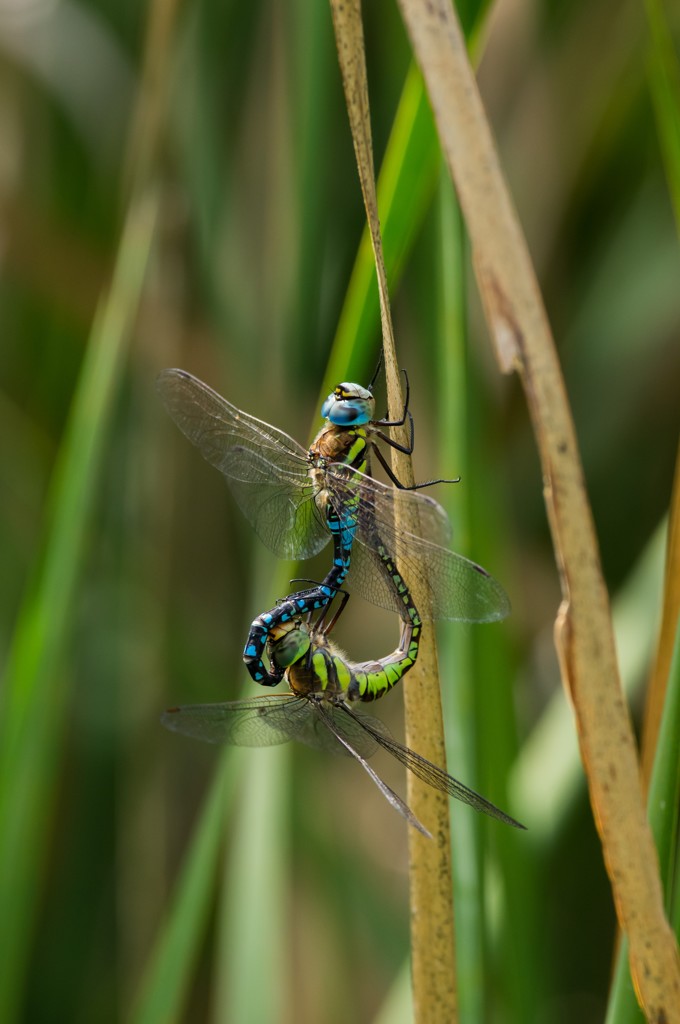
{"points": [[413, 527], [426, 770], [286, 519], [266, 469], [322, 731], [332, 719], [276, 718], [267, 720], [257, 722]]}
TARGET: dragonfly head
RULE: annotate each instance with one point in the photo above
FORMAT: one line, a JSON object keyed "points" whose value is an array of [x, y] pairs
{"points": [[349, 405], [289, 642]]}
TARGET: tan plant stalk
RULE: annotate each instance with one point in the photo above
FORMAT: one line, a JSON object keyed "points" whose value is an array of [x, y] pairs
{"points": [[431, 897]]}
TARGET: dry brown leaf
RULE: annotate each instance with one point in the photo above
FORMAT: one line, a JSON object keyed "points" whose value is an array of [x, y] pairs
{"points": [[584, 636]]}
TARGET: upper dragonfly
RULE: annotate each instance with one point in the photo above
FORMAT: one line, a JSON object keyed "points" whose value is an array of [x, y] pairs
{"points": [[298, 498]]}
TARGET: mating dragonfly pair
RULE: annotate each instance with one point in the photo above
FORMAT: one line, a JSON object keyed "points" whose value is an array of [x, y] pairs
{"points": [[297, 500]]}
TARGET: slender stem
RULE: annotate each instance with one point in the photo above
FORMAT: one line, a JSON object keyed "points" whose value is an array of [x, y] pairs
{"points": [[432, 931]]}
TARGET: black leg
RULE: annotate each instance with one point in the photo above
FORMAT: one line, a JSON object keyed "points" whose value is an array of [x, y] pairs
{"points": [[343, 601], [406, 449], [402, 487]]}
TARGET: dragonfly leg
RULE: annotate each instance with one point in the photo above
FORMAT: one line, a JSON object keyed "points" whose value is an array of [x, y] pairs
{"points": [[315, 586], [396, 481], [326, 628], [407, 449]]}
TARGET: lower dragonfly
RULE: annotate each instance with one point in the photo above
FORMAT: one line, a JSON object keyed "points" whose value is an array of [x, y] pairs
{"points": [[297, 499], [318, 710]]}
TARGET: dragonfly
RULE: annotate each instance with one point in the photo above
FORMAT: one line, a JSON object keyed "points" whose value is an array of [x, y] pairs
{"points": [[297, 499], [318, 709]]}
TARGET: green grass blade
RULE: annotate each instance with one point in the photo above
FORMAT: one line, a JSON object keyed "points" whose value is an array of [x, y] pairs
{"points": [[663, 73], [252, 937], [35, 688], [315, 72], [168, 977], [251, 913], [246, 799], [406, 185], [477, 677], [397, 1007], [456, 644], [664, 789]]}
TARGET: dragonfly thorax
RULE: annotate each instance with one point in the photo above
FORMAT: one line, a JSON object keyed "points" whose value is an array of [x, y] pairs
{"points": [[348, 446], [349, 405], [312, 663]]}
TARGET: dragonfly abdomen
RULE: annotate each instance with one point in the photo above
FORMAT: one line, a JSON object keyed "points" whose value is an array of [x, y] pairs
{"points": [[372, 679]]}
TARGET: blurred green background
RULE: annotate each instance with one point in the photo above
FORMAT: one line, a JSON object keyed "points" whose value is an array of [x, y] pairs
{"points": [[143, 877]]}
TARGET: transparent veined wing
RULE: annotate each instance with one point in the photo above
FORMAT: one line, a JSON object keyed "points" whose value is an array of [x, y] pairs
{"points": [[414, 529], [333, 720], [326, 723], [424, 769], [261, 721], [268, 471], [266, 721], [276, 718]]}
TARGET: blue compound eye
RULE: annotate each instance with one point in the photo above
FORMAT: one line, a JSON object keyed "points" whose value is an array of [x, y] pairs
{"points": [[290, 648], [348, 405]]}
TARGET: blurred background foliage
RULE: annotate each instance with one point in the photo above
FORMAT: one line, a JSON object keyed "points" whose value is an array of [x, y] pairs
{"points": [[272, 885]]}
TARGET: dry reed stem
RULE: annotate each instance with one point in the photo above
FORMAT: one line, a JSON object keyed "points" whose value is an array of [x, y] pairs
{"points": [[431, 897], [583, 632]]}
